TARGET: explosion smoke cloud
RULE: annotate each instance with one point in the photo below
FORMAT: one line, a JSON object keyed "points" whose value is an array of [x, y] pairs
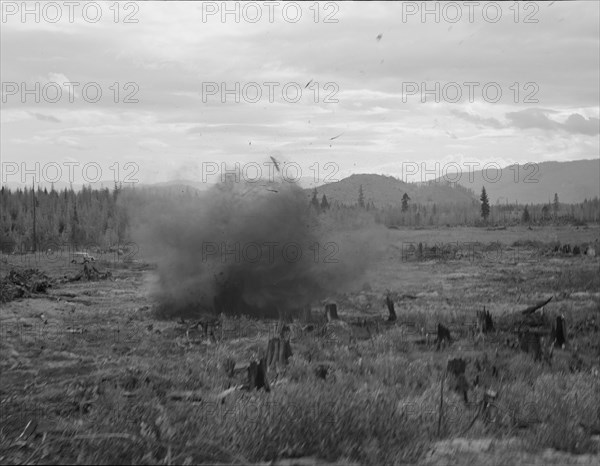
{"points": [[256, 249]]}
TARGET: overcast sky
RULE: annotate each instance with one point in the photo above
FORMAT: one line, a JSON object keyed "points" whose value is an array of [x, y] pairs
{"points": [[370, 57]]}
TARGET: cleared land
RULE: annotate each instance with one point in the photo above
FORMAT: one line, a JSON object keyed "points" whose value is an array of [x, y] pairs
{"points": [[89, 375]]}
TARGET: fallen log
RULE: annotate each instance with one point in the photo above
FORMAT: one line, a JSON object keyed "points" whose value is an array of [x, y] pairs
{"points": [[535, 307]]}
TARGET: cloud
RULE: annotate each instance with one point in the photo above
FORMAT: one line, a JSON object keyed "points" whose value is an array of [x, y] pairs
{"points": [[42, 117], [69, 142], [478, 120], [195, 130], [152, 145], [538, 118], [577, 123], [46, 140], [366, 76], [531, 118]]}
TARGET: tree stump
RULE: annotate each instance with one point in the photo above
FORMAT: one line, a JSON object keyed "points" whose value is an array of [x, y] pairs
{"points": [[87, 270], [559, 331], [321, 371], [331, 312], [229, 367], [458, 381], [443, 334], [456, 366], [530, 343], [257, 376], [485, 324], [279, 351], [390, 305]]}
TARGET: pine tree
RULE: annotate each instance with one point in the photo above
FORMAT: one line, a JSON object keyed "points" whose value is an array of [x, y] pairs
{"points": [[545, 212], [405, 200], [75, 225], [314, 202], [361, 197], [555, 206], [324, 203], [485, 204], [525, 217]]}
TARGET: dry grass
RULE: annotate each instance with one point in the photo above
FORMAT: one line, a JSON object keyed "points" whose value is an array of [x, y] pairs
{"points": [[103, 395]]}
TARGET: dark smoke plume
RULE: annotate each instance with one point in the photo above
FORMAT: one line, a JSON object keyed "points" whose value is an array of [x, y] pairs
{"points": [[256, 249]]}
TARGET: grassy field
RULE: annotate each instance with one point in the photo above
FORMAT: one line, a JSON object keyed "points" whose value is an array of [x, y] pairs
{"points": [[89, 375]]}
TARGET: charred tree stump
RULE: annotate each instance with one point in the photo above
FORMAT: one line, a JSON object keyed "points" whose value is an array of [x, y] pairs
{"points": [[530, 343], [331, 312], [87, 271], [321, 371], [485, 324], [229, 367], [559, 332], [279, 351], [458, 381], [456, 366], [390, 305], [488, 408], [443, 334], [257, 376]]}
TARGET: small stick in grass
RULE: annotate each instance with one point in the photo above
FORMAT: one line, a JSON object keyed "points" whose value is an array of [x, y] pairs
{"points": [[441, 404]]}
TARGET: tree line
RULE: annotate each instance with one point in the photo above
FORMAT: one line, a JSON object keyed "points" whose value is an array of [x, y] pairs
{"points": [[33, 219], [414, 214]]}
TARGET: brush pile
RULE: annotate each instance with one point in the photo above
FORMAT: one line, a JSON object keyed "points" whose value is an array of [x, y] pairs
{"points": [[21, 284]]}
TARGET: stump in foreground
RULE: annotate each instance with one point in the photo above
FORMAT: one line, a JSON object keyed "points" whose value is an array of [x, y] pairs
{"points": [[257, 376], [279, 349], [390, 305], [559, 332], [443, 335], [331, 312], [458, 382], [485, 324]]}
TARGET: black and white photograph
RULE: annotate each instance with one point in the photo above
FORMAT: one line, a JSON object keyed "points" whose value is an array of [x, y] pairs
{"points": [[300, 233]]}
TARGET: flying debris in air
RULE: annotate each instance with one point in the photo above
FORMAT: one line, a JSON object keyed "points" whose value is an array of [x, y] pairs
{"points": [[379, 36], [276, 163], [308, 83], [335, 137], [273, 190]]}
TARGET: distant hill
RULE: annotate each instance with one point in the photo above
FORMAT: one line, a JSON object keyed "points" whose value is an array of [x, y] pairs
{"points": [[199, 185], [573, 182], [387, 190]]}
